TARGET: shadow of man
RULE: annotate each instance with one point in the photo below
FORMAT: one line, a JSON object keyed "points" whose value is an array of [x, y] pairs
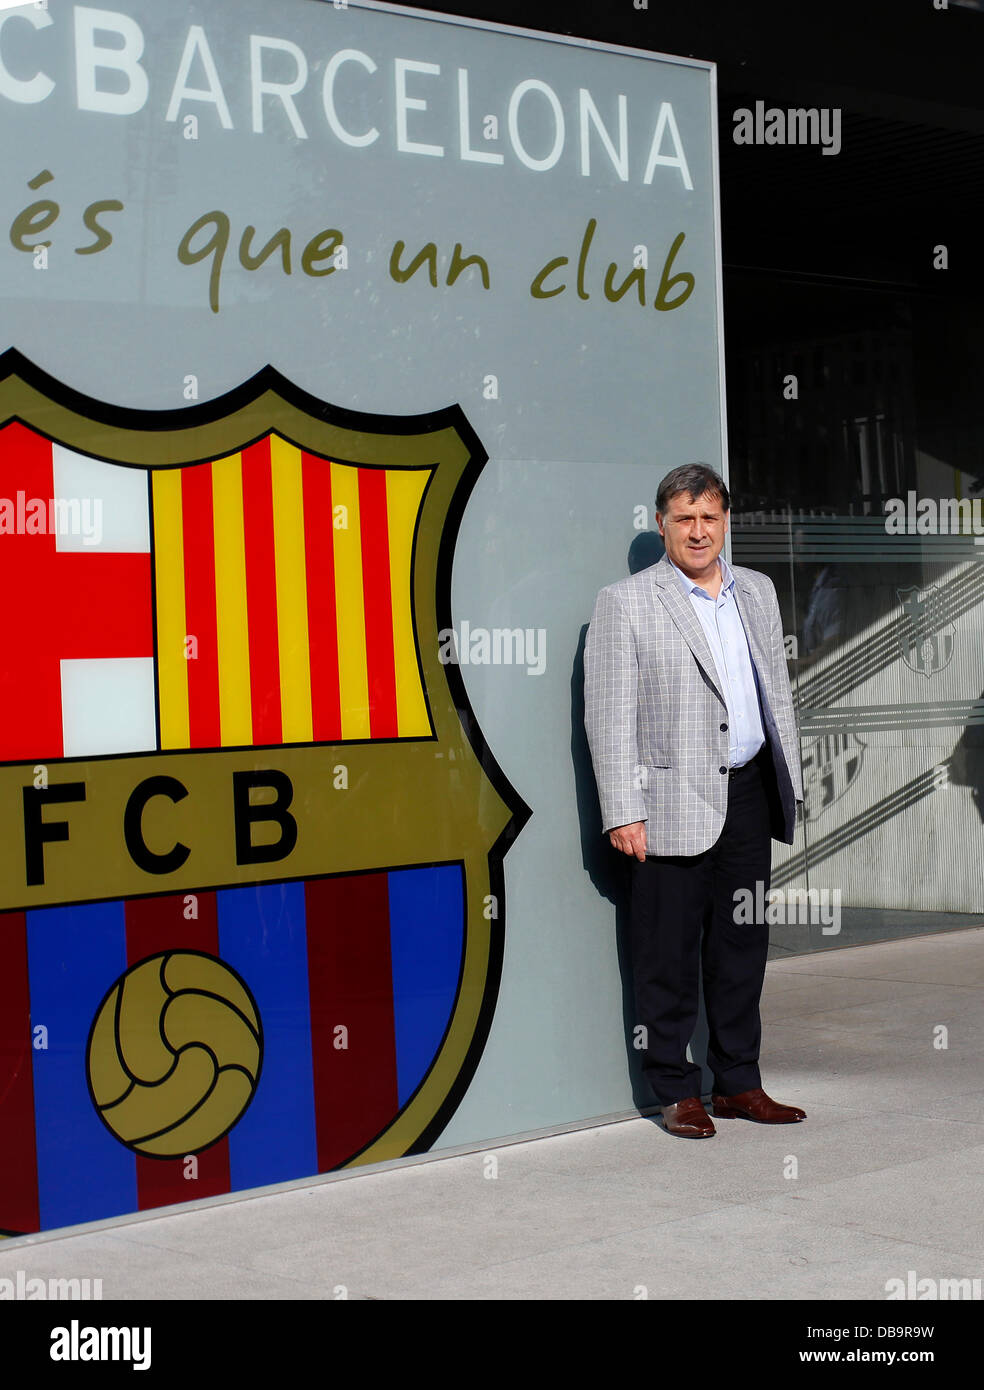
{"points": [[967, 763], [609, 871]]}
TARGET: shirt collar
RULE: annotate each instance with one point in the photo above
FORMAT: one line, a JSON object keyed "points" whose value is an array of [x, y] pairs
{"points": [[691, 586]]}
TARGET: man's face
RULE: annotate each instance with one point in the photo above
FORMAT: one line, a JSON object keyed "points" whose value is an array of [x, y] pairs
{"points": [[693, 530]]}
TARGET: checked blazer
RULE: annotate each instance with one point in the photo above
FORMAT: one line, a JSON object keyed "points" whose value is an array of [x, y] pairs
{"points": [[656, 717]]}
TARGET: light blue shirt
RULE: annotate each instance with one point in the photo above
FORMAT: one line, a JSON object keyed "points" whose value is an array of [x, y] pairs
{"points": [[737, 678]]}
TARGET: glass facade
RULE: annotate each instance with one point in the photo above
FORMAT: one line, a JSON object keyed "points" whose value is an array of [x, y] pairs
{"points": [[350, 346], [855, 449]]}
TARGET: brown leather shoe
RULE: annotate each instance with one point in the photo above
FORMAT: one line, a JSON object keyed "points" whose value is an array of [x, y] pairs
{"points": [[688, 1119], [756, 1105]]}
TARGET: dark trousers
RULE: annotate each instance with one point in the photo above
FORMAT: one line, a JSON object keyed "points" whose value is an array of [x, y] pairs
{"points": [[682, 923]]}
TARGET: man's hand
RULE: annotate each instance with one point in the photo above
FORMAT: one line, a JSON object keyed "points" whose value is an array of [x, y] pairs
{"points": [[630, 839]]}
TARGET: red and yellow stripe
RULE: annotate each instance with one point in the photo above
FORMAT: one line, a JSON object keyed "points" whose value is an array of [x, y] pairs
{"points": [[284, 610]]}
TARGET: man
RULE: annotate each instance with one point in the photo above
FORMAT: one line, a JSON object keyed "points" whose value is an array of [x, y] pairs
{"points": [[689, 718]]}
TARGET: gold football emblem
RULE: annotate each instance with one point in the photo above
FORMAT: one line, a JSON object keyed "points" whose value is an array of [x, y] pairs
{"points": [[174, 1054]]}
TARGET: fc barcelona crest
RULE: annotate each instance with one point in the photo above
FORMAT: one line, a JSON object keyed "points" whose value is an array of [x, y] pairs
{"points": [[831, 764], [925, 633], [251, 894]]}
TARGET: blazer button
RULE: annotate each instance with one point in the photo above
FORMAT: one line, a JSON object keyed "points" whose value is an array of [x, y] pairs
{"points": [[724, 728], [722, 769]]}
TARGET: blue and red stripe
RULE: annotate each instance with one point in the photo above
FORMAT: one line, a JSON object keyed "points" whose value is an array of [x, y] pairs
{"points": [[18, 1152], [355, 978], [177, 922], [74, 956], [262, 936]]}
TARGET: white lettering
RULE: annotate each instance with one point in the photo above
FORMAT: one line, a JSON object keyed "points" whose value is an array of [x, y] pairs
{"points": [[197, 43], [533, 84], [345, 55], [404, 104], [478, 156], [286, 91], [90, 58], [620, 157], [666, 121], [29, 90]]}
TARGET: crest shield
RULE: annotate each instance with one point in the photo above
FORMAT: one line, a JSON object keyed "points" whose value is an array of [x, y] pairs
{"points": [[831, 763], [925, 633], [252, 909]]}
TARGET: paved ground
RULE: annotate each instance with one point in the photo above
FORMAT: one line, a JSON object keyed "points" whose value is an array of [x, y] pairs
{"points": [[885, 1177]]}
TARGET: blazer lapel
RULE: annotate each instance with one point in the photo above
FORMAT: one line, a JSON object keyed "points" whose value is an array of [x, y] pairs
{"points": [[748, 609], [680, 610]]}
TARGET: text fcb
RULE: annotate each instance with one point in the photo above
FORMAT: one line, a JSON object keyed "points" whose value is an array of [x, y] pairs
{"points": [[252, 908]]}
